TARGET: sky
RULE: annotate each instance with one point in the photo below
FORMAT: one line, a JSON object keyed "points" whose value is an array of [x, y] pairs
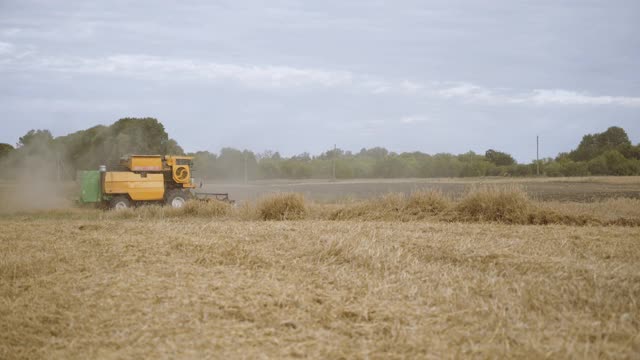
{"points": [[301, 76]]}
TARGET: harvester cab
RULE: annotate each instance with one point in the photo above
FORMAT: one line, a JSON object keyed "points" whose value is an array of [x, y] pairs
{"points": [[142, 179]]}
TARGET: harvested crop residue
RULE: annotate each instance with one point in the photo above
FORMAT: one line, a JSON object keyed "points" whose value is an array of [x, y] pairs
{"points": [[204, 287]]}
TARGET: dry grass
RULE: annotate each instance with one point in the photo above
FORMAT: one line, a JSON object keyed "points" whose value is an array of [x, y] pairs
{"points": [[288, 206], [509, 205], [606, 210], [422, 276], [387, 207], [424, 203], [417, 276], [197, 288], [505, 205], [417, 206], [209, 209]]}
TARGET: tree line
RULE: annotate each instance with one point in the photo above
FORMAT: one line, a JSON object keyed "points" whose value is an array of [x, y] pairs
{"points": [[608, 153], [60, 157]]}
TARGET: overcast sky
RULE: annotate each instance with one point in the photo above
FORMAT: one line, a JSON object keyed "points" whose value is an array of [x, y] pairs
{"points": [[296, 76]]}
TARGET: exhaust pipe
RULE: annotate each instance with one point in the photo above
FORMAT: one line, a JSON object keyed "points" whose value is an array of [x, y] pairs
{"points": [[103, 172]]}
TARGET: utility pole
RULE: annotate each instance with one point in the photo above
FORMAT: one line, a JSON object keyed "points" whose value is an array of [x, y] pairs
{"points": [[333, 165], [537, 155]]}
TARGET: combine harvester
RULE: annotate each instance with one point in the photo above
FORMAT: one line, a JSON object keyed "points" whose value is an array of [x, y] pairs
{"points": [[143, 179]]}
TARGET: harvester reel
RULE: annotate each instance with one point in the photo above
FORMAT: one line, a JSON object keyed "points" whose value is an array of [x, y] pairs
{"points": [[182, 174]]}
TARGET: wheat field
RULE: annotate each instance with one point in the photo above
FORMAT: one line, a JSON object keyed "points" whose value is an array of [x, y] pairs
{"points": [[393, 277]]}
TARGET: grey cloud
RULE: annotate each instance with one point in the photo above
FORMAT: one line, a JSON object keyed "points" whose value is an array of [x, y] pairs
{"points": [[260, 76]]}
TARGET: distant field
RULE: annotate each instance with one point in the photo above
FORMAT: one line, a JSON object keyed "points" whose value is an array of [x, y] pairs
{"points": [[562, 189]]}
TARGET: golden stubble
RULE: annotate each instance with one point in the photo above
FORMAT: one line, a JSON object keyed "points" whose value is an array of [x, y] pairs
{"points": [[208, 287]]}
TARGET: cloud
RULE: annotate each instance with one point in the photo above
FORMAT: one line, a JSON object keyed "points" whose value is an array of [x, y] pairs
{"points": [[160, 68], [564, 97], [414, 119], [283, 77], [62, 105], [6, 48], [472, 93], [10, 53]]}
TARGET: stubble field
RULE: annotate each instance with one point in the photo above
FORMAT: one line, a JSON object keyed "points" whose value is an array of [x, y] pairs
{"points": [[342, 281]]}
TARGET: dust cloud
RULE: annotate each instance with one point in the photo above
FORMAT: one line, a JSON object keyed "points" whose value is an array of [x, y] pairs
{"points": [[34, 185]]}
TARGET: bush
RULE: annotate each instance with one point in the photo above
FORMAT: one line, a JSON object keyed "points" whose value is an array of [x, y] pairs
{"points": [[598, 166], [613, 162], [286, 206], [475, 168], [523, 170], [573, 168], [566, 168], [618, 164], [553, 169]]}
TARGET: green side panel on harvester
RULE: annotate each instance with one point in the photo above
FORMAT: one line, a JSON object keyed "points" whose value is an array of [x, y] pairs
{"points": [[89, 186]]}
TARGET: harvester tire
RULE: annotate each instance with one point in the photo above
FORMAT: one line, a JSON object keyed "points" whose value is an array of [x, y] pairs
{"points": [[120, 202], [177, 198]]}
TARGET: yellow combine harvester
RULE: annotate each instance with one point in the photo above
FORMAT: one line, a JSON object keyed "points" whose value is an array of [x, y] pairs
{"points": [[143, 179]]}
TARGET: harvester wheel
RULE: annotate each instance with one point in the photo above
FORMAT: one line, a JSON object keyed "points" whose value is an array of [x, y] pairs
{"points": [[120, 202], [177, 198]]}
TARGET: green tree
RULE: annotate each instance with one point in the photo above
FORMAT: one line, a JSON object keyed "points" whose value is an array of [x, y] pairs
{"points": [[391, 167], [295, 169], [593, 145], [375, 153], [475, 168], [105, 145], [5, 150], [522, 169], [553, 169], [35, 156], [35, 137], [142, 136], [629, 151], [204, 164], [617, 164], [613, 138], [231, 164], [598, 166], [499, 158], [575, 168], [445, 165]]}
